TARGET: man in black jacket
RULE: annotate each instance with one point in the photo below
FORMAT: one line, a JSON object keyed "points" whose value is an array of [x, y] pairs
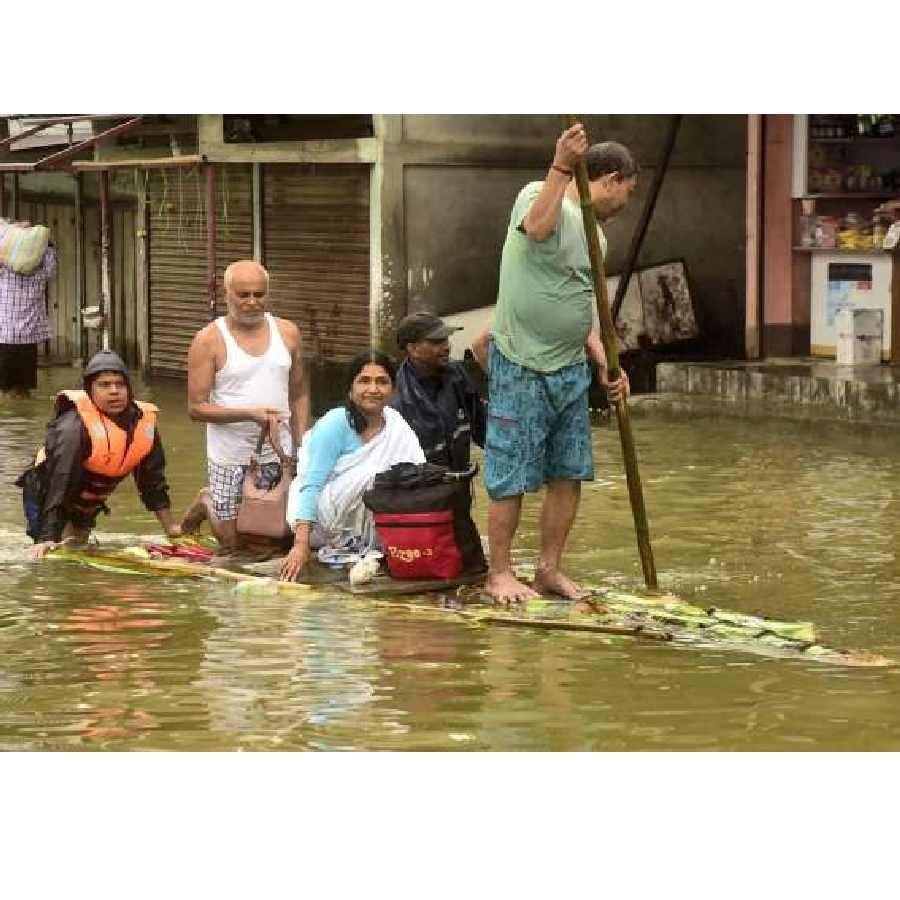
{"points": [[435, 395], [99, 436]]}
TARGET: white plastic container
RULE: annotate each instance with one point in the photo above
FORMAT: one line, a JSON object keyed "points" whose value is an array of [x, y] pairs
{"points": [[859, 335]]}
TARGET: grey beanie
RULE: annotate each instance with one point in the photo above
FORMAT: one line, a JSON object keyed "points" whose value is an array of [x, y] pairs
{"points": [[105, 361]]}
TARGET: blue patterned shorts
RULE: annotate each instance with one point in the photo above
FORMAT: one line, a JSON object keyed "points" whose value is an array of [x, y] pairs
{"points": [[538, 427]]}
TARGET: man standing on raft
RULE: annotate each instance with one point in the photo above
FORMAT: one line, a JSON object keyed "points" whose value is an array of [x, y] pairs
{"points": [[538, 429]]}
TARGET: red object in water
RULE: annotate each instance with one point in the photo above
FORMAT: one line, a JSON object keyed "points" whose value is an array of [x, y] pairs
{"points": [[179, 551]]}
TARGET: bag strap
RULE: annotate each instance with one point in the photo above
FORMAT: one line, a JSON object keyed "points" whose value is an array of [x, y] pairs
{"points": [[275, 440], [468, 474]]}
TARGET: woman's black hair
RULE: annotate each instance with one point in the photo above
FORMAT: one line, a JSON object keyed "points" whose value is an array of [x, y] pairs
{"points": [[371, 356]]}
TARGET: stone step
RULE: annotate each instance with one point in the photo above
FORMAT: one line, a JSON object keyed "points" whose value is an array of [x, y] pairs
{"points": [[805, 388]]}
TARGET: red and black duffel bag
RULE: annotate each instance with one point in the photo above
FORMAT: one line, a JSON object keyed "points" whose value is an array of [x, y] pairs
{"points": [[424, 522]]}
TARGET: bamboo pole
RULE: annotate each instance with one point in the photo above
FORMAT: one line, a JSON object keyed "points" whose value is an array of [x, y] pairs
{"points": [[608, 336]]}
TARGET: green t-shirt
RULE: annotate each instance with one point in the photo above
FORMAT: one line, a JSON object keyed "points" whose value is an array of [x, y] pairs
{"points": [[545, 301]]}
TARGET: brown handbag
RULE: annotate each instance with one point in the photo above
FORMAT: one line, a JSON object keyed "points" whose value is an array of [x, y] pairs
{"points": [[263, 511]]}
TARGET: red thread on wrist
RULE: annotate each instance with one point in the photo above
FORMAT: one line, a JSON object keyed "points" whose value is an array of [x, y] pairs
{"points": [[561, 170]]}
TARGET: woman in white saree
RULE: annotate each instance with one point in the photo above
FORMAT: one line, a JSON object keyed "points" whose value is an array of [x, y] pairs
{"points": [[340, 457]]}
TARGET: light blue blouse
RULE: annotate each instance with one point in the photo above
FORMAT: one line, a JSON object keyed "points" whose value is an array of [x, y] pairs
{"points": [[329, 439]]}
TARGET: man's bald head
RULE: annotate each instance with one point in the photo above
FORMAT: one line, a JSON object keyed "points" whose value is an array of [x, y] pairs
{"points": [[243, 268], [246, 292]]}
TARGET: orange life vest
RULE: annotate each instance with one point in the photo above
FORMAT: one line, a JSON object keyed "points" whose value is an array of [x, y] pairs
{"points": [[111, 457]]}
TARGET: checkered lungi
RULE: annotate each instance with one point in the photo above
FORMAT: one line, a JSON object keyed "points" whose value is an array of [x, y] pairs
{"points": [[225, 483]]}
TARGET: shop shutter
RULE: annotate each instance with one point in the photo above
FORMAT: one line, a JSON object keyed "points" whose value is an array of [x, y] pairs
{"points": [[179, 305], [316, 249]]}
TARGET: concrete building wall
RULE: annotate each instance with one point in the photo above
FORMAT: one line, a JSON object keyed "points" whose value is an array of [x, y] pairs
{"points": [[461, 174], [443, 186]]}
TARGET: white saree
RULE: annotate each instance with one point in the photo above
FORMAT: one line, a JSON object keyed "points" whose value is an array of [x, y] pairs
{"points": [[340, 510]]}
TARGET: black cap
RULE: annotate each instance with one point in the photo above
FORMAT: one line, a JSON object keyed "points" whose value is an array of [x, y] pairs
{"points": [[423, 326]]}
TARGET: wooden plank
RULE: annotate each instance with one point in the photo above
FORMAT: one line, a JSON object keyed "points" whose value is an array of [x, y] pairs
{"points": [[106, 306], [318, 574], [117, 330], [126, 264], [340, 152], [384, 585], [34, 212], [125, 257], [78, 342], [142, 283], [70, 260], [55, 292], [63, 235], [162, 162], [45, 215], [92, 274]]}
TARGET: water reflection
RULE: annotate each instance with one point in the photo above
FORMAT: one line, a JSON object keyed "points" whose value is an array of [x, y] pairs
{"points": [[788, 519], [295, 672], [100, 661], [431, 672]]}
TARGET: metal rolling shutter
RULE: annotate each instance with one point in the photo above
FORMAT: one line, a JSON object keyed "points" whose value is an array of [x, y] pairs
{"points": [[316, 248], [177, 249]]}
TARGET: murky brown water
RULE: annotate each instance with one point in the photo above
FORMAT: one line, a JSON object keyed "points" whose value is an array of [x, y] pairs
{"points": [[789, 519]]}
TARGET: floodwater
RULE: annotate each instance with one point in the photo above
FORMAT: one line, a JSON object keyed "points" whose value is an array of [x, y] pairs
{"points": [[794, 520]]}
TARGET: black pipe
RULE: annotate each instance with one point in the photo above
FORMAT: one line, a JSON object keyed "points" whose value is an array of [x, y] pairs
{"points": [[647, 212]]}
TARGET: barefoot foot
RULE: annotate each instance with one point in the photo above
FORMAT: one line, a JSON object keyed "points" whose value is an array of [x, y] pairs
{"points": [[552, 581], [505, 588], [197, 513]]}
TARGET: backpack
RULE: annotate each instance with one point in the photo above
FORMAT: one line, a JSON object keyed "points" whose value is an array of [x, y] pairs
{"points": [[423, 519], [33, 482]]}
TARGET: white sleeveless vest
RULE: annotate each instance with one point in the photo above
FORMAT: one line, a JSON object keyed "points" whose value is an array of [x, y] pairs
{"points": [[247, 380]]}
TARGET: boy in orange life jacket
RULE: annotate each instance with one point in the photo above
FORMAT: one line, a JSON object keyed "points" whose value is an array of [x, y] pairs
{"points": [[98, 437]]}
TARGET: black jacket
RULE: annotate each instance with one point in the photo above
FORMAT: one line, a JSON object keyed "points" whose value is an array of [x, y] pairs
{"points": [[445, 411], [67, 446]]}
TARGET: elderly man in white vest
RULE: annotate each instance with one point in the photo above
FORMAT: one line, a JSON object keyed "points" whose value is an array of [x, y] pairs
{"points": [[245, 375]]}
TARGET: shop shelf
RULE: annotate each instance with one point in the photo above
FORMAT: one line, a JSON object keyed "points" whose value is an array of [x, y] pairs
{"points": [[857, 139], [853, 195], [839, 250]]}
